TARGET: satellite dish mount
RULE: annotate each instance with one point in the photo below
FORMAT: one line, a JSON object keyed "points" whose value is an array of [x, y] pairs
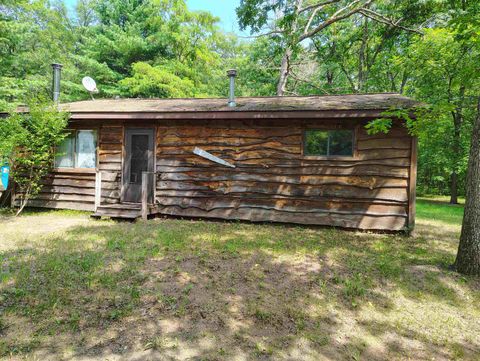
{"points": [[90, 85]]}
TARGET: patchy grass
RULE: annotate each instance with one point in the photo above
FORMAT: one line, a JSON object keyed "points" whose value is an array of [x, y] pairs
{"points": [[438, 209], [73, 288]]}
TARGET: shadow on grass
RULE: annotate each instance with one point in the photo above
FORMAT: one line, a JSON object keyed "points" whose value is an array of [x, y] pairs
{"points": [[204, 290]]}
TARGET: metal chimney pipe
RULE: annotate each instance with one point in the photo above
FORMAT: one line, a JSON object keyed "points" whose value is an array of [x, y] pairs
{"points": [[232, 73], [57, 70]]}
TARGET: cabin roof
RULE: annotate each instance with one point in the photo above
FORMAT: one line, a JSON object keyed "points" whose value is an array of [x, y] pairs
{"points": [[381, 101]]}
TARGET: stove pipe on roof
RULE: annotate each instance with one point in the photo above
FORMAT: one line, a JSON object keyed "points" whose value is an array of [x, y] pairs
{"points": [[57, 70], [232, 73]]}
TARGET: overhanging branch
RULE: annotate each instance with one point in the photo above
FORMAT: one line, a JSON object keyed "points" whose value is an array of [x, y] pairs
{"points": [[265, 34], [386, 20], [316, 6], [334, 18]]}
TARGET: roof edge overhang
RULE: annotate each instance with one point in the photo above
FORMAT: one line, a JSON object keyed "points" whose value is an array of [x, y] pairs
{"points": [[227, 115]]}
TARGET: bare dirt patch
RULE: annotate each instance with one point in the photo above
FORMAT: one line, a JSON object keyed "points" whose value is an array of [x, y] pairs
{"points": [[23, 230]]}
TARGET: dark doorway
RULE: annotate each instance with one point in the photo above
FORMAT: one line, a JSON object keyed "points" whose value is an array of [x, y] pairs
{"points": [[138, 158]]}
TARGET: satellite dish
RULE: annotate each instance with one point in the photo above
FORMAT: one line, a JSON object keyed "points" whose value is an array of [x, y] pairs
{"points": [[90, 85]]}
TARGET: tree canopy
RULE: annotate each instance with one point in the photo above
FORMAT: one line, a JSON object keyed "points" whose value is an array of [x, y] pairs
{"points": [[123, 44]]}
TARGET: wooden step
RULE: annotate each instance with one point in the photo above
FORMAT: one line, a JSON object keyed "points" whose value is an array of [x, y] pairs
{"points": [[122, 210], [136, 206]]}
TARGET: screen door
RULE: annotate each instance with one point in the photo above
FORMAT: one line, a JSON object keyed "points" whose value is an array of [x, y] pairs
{"points": [[138, 159]]}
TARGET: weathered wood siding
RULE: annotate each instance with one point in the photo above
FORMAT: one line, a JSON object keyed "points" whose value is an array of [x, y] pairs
{"points": [[74, 188], [67, 189], [274, 181], [110, 153]]}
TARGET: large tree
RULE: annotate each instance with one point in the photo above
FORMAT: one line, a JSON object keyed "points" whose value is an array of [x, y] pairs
{"points": [[467, 25], [468, 256], [298, 22]]}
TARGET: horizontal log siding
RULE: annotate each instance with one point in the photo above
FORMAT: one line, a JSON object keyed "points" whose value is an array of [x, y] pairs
{"points": [[110, 153], [66, 189], [273, 181], [71, 189]]}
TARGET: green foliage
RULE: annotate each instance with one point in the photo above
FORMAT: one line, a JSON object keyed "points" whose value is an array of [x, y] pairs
{"points": [[335, 47], [254, 13], [107, 39], [257, 64], [413, 119], [148, 82], [446, 75], [28, 144], [381, 125]]}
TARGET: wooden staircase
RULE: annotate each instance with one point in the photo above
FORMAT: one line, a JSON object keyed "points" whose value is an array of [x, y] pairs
{"points": [[127, 211]]}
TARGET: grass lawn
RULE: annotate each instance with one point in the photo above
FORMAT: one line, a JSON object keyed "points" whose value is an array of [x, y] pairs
{"points": [[77, 289]]}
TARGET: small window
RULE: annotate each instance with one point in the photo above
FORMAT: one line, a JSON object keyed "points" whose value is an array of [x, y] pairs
{"points": [[329, 142], [77, 150], [64, 154], [86, 149]]}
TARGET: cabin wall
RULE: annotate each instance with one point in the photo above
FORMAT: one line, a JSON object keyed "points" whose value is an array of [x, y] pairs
{"points": [[274, 181]]}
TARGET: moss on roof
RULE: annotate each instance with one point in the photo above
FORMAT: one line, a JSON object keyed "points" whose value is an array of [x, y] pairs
{"points": [[307, 103]]}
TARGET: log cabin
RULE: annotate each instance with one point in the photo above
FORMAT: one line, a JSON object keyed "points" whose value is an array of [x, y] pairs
{"points": [[304, 160]]}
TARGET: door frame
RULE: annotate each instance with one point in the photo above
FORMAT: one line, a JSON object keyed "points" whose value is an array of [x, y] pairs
{"points": [[126, 128]]}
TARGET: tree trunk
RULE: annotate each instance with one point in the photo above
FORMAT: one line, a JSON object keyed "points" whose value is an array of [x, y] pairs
{"points": [[287, 56], [362, 58], [454, 187], [468, 256], [457, 125], [23, 203], [329, 75], [404, 81], [284, 72]]}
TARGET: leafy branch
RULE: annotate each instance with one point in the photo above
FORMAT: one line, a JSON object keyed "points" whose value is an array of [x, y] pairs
{"points": [[28, 145]]}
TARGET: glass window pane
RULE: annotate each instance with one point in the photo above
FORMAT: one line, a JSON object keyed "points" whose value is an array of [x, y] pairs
{"points": [[316, 142], [329, 142], [341, 142], [64, 153], [86, 149]]}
